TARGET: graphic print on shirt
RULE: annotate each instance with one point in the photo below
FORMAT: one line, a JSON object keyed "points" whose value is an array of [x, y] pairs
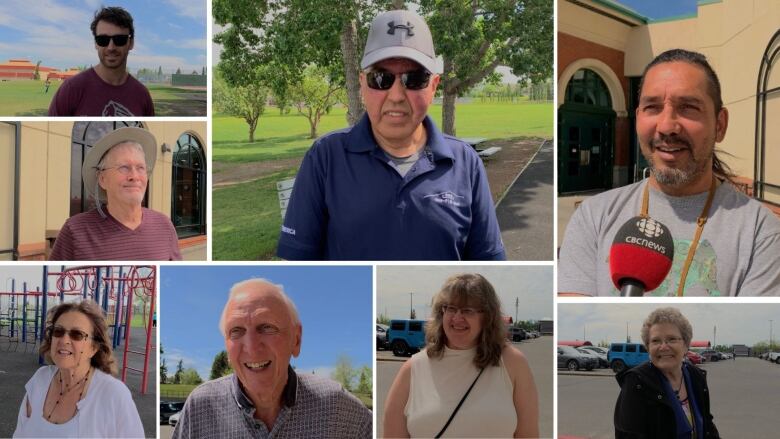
{"points": [[115, 109], [447, 197]]}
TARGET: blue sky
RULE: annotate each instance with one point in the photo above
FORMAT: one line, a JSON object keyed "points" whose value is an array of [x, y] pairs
{"points": [[659, 9], [169, 33], [533, 285], [732, 323], [334, 303]]}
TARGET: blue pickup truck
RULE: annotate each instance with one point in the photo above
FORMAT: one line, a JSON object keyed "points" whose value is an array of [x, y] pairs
{"points": [[406, 337], [626, 355]]}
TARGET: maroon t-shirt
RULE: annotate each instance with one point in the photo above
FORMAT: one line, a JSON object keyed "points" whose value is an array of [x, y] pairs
{"points": [[87, 95], [90, 237]]}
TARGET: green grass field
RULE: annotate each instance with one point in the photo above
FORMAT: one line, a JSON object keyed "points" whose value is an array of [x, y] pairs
{"points": [[26, 98], [286, 136], [246, 217]]}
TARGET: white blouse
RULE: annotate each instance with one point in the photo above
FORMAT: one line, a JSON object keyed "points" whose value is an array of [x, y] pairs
{"points": [[437, 386], [107, 410]]}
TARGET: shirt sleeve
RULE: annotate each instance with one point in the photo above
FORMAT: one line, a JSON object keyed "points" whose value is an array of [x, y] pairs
{"points": [[22, 419], [578, 256], [303, 234], [175, 251], [182, 429], [149, 105], [763, 276], [128, 421], [484, 240], [629, 409], [63, 245], [59, 105]]}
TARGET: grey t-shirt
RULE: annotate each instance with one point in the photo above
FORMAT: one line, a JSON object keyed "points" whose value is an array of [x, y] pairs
{"points": [[738, 253], [403, 164]]}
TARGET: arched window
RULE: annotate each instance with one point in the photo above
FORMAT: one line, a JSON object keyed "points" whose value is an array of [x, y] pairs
{"points": [[188, 200], [766, 187], [85, 134], [587, 87]]}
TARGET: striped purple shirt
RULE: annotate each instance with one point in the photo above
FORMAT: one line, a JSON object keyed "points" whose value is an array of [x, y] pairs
{"points": [[90, 237]]}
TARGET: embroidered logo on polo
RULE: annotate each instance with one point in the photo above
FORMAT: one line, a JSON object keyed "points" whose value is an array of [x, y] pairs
{"points": [[449, 198], [288, 230]]}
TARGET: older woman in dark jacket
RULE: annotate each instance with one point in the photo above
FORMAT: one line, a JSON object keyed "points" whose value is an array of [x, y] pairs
{"points": [[666, 397]]}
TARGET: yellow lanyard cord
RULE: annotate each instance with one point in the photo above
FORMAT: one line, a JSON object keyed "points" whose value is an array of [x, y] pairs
{"points": [[700, 222]]}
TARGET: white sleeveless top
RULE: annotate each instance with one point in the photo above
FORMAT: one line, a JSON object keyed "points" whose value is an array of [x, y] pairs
{"points": [[437, 386]]}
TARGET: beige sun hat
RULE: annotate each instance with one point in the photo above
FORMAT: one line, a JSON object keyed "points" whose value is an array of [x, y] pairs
{"points": [[101, 147]]}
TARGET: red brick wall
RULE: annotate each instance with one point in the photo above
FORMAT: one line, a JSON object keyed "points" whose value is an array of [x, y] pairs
{"points": [[571, 49]]}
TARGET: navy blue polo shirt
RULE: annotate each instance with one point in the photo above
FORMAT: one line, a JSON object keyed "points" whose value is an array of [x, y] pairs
{"points": [[350, 203]]}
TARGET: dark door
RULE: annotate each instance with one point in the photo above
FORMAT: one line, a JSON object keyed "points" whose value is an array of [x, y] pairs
{"points": [[585, 149]]}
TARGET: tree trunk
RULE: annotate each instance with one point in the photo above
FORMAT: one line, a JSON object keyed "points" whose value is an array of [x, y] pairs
{"points": [[313, 131], [448, 104], [349, 55], [252, 126]]}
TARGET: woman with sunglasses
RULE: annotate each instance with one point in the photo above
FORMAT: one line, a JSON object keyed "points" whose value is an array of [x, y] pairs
{"points": [[77, 396], [468, 381], [666, 397]]}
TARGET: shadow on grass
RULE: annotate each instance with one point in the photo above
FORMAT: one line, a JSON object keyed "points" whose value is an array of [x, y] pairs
{"points": [[180, 107], [34, 112]]}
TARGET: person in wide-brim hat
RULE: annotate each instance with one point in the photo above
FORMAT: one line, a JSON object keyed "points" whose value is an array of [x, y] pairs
{"points": [[90, 169], [116, 174]]}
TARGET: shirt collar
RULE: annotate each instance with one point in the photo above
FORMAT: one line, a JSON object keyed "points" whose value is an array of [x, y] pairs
{"points": [[361, 139], [288, 394]]}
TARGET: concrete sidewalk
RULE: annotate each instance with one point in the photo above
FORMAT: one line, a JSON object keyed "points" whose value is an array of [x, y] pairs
{"points": [[525, 212]]}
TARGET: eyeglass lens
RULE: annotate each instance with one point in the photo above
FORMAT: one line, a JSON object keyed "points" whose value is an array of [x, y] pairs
{"points": [[74, 334], [383, 80], [119, 40]]}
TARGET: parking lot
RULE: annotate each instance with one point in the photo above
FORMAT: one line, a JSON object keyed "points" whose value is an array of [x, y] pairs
{"points": [[538, 351], [743, 392]]}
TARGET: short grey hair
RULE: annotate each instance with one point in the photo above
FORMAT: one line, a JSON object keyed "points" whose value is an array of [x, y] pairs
{"points": [[667, 315], [125, 143], [254, 285]]}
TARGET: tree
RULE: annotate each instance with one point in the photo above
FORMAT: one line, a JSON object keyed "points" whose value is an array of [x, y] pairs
{"points": [[244, 101], [159, 72], [344, 373], [37, 73], [475, 37], [313, 95], [220, 366], [365, 383], [179, 371], [294, 34], [203, 72], [191, 376], [178, 71], [163, 372]]}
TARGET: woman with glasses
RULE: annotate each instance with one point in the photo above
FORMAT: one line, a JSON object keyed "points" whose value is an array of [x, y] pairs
{"points": [[77, 396], [666, 397], [468, 381]]}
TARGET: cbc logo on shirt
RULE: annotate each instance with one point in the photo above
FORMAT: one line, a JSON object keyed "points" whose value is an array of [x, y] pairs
{"points": [[649, 228]]}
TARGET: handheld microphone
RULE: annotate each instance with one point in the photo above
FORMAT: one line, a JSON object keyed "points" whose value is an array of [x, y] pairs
{"points": [[641, 256]]}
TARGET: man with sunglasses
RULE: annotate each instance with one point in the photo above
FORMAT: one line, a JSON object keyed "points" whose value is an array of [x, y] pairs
{"points": [[392, 187], [107, 89]]}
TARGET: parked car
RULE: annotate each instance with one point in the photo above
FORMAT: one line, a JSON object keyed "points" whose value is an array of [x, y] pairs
{"points": [[694, 358], [572, 359], [726, 356], [626, 355], [169, 408], [516, 334], [381, 337], [406, 337], [774, 357], [601, 353], [710, 355], [173, 420]]}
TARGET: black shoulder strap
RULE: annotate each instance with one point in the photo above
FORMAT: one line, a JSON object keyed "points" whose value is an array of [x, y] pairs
{"points": [[460, 404]]}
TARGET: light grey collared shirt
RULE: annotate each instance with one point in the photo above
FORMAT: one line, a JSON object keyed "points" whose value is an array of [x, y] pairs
{"points": [[312, 407]]}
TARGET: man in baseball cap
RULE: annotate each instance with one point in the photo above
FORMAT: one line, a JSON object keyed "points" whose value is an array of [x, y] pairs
{"points": [[116, 172], [392, 187]]}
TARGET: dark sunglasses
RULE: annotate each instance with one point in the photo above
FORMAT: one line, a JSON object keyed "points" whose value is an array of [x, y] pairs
{"points": [[119, 40], [384, 80], [74, 334]]}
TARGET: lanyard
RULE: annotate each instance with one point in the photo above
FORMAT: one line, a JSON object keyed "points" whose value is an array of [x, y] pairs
{"points": [[700, 222]]}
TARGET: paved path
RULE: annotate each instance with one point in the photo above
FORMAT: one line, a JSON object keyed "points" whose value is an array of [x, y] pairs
{"points": [[525, 212]]}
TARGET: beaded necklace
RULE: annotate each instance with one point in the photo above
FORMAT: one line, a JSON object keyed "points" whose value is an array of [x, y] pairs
{"points": [[63, 393]]}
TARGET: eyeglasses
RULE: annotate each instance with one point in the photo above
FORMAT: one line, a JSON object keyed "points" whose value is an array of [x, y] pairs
{"points": [[671, 341], [127, 169], [384, 80], [465, 312], [119, 40], [74, 334]]}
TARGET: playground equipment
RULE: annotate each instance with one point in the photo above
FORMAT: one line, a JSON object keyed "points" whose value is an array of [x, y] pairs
{"points": [[117, 289]]}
